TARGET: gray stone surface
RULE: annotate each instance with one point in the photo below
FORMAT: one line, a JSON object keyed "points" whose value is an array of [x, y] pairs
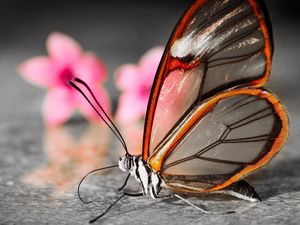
{"points": [[120, 34]]}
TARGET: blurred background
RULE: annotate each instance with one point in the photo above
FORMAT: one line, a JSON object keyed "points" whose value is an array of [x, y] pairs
{"points": [[118, 32], [121, 31]]}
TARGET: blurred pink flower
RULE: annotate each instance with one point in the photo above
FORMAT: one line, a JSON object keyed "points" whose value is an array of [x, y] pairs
{"points": [[66, 60], [69, 158], [135, 83], [133, 135]]}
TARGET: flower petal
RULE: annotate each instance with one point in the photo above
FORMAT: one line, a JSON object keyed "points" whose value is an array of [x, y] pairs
{"points": [[39, 71], [136, 82], [130, 109], [149, 63], [63, 49], [59, 105], [87, 109], [127, 77], [90, 69]]}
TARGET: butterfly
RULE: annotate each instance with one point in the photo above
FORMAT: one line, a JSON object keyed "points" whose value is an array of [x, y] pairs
{"points": [[209, 121]]}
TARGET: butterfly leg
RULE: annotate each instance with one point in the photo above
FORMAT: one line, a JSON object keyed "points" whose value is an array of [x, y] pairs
{"points": [[242, 190], [107, 209], [125, 183], [115, 202], [202, 209], [162, 197], [165, 197]]}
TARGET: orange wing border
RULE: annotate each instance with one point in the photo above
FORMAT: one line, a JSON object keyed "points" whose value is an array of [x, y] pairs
{"points": [[163, 67]]}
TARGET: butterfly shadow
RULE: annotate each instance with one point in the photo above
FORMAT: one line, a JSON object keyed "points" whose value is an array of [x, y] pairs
{"points": [[280, 178]]}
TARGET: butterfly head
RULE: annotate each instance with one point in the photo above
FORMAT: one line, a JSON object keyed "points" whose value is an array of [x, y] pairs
{"points": [[126, 162]]}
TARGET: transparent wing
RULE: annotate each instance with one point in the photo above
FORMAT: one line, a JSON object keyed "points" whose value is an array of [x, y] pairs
{"points": [[217, 44], [223, 139]]}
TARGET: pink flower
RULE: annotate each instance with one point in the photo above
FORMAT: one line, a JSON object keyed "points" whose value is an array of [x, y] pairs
{"points": [[135, 83], [66, 60]]}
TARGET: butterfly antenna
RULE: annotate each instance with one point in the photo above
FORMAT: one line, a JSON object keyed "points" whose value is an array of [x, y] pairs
{"points": [[89, 89], [107, 209], [85, 176], [106, 120]]}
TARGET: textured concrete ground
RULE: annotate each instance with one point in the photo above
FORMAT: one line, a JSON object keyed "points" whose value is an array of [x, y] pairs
{"points": [[121, 33]]}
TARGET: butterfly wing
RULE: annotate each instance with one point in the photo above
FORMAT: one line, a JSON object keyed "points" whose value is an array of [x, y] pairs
{"points": [[222, 140], [217, 45], [208, 124]]}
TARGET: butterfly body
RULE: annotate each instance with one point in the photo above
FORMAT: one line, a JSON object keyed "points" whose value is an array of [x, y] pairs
{"points": [[151, 182]]}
